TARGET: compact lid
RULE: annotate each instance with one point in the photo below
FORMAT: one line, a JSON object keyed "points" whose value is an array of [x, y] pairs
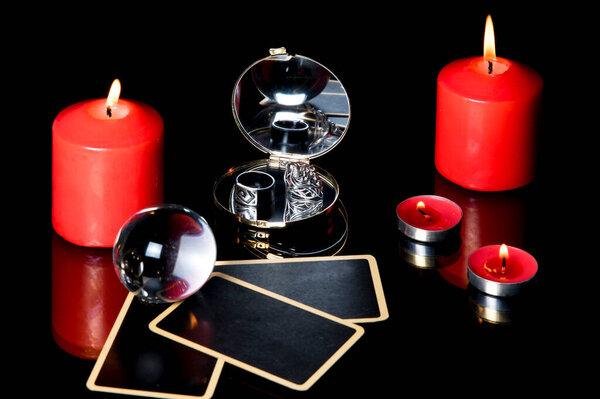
{"points": [[290, 106]]}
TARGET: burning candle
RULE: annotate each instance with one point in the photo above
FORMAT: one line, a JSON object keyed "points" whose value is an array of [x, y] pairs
{"points": [[107, 159], [500, 270], [486, 120], [428, 218]]}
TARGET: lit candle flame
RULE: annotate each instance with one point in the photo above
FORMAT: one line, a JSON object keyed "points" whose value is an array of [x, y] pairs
{"points": [[113, 94], [489, 44], [503, 252], [503, 255], [421, 209]]}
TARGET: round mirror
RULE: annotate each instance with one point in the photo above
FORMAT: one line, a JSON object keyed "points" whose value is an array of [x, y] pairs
{"points": [[291, 106]]}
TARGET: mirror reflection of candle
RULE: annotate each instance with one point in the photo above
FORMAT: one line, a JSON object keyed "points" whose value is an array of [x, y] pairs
{"points": [[86, 297], [492, 310], [429, 255], [483, 223]]}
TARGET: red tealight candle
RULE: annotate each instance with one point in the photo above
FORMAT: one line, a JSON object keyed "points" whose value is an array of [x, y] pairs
{"points": [[428, 218], [500, 270], [107, 164], [486, 120]]}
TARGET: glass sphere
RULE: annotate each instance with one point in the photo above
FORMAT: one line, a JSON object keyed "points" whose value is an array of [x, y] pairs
{"points": [[164, 254]]}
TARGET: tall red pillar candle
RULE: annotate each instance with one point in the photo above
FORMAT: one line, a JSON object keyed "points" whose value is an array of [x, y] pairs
{"points": [[107, 164], [486, 121]]}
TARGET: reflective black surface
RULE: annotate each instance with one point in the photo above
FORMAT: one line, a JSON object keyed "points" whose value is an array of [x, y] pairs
{"points": [[441, 337]]}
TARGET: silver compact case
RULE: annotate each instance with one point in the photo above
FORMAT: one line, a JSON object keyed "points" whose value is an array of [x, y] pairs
{"points": [[293, 109]]}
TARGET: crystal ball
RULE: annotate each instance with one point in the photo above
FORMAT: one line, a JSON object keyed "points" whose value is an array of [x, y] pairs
{"points": [[165, 253]]}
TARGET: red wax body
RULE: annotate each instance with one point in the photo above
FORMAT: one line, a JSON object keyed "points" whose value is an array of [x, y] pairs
{"points": [[486, 263], [486, 124], [438, 213], [104, 169]]}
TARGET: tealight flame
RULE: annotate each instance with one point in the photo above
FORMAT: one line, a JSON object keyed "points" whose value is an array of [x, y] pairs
{"points": [[421, 209], [489, 44], [113, 94], [503, 252]]}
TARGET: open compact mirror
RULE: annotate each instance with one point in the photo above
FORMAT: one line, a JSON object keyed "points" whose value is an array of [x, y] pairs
{"points": [[294, 109]]}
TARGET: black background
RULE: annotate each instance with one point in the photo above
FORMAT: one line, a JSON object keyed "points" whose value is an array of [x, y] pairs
{"points": [[184, 60]]}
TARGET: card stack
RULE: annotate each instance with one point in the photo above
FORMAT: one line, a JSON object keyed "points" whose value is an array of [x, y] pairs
{"points": [[285, 320]]}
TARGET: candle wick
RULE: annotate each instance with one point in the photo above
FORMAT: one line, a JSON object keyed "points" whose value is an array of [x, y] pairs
{"points": [[490, 67], [109, 111], [422, 212], [503, 264]]}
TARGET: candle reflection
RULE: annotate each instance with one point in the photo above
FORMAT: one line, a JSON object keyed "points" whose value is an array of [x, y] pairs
{"points": [[86, 297], [492, 309], [430, 255], [488, 218]]}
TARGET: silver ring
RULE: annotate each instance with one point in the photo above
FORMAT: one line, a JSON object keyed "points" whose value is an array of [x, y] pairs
{"points": [[253, 187], [253, 194]]}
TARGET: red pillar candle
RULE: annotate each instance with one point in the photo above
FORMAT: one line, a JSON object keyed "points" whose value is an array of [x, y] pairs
{"points": [[500, 270], [486, 121], [107, 164]]}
